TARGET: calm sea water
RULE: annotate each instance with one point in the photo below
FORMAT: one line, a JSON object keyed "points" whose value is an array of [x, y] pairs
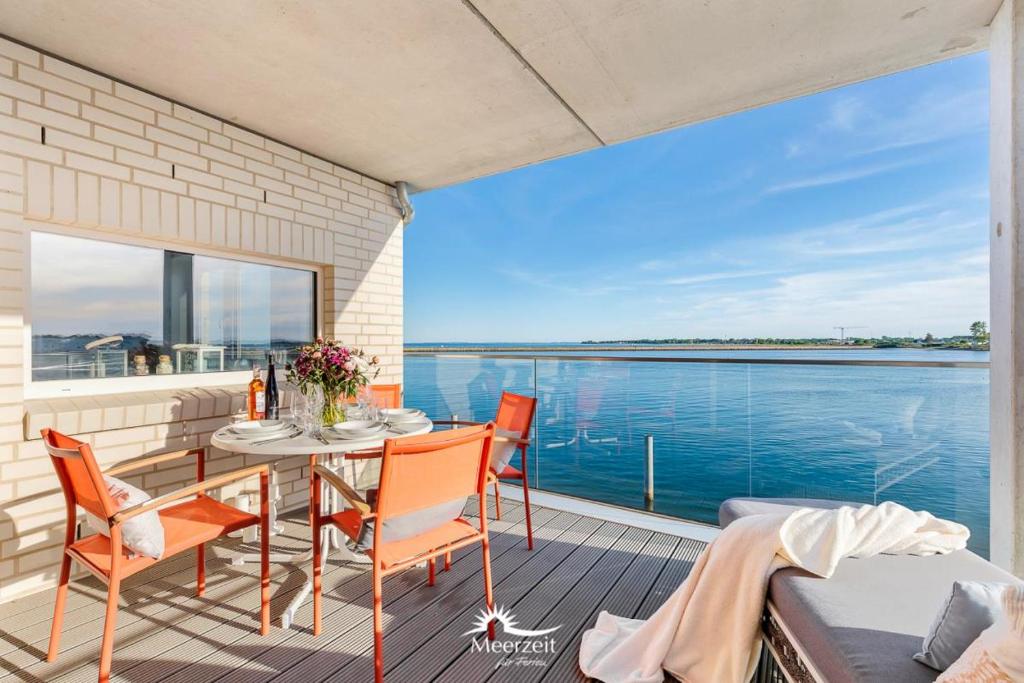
{"points": [[918, 436]]}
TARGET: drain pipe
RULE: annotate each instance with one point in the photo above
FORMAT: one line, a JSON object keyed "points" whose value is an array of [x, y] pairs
{"points": [[408, 212]]}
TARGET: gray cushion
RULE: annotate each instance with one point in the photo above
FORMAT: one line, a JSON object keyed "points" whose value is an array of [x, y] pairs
{"points": [[734, 508], [970, 608], [867, 621], [411, 524]]}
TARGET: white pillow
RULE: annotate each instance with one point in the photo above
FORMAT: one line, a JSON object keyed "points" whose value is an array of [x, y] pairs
{"points": [[413, 523], [142, 534], [997, 656], [970, 608], [502, 451]]}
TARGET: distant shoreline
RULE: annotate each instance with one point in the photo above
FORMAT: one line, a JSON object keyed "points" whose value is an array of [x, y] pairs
{"points": [[442, 348]]}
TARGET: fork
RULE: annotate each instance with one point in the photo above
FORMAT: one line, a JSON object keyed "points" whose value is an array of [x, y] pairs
{"points": [[282, 437]]}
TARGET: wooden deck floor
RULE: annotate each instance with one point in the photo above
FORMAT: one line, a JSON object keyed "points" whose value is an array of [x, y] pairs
{"points": [[578, 567]]}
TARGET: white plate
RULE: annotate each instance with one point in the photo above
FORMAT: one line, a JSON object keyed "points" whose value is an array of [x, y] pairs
{"points": [[259, 427], [356, 429], [397, 415]]}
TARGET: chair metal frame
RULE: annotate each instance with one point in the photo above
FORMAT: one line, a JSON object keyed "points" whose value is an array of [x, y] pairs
{"points": [[393, 451], [63, 449], [523, 445]]}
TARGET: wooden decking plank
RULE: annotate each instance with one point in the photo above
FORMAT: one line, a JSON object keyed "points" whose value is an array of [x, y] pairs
{"points": [[409, 636], [536, 603], [447, 643], [237, 594], [580, 566], [80, 644], [156, 592], [571, 612], [141, 606], [250, 657], [85, 653], [449, 593], [84, 594], [30, 606], [151, 587], [209, 632], [675, 572], [86, 590], [623, 596]]}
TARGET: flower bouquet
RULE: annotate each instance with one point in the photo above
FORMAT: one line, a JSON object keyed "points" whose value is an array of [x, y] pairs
{"points": [[337, 370]]}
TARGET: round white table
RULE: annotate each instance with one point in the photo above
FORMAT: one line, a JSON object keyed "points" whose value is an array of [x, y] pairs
{"points": [[303, 446]]}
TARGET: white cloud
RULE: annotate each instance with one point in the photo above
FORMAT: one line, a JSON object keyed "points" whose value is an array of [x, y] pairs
{"points": [[938, 295], [562, 284], [937, 116], [908, 228], [846, 113], [857, 127], [715, 277], [841, 176]]}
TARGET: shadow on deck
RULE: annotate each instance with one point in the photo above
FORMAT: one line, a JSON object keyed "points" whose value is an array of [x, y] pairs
{"points": [[578, 567]]}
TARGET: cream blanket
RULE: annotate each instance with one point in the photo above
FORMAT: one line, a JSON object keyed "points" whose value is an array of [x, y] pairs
{"points": [[707, 631]]}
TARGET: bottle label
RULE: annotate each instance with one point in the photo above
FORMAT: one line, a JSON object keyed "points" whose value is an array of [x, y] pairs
{"points": [[261, 402]]}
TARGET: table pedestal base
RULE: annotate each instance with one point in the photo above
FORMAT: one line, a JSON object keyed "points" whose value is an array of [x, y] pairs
{"points": [[330, 539]]}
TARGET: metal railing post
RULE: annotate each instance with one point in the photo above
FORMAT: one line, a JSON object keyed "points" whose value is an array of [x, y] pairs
{"points": [[649, 478], [454, 418], [536, 430]]}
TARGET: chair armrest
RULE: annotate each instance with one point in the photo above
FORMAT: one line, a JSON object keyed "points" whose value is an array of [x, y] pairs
{"points": [[349, 493], [193, 489], [497, 439], [509, 439], [365, 454], [151, 460]]}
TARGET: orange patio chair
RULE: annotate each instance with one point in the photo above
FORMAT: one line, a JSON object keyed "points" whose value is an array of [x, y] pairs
{"points": [[424, 483], [187, 524], [384, 395], [515, 415]]}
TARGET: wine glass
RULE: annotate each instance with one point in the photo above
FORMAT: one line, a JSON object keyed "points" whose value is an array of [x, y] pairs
{"points": [[315, 401], [300, 411], [363, 403]]}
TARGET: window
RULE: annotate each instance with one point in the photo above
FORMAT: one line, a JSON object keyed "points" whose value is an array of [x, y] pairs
{"points": [[104, 310]]}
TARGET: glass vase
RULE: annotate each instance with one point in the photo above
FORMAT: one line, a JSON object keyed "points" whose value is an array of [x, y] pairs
{"points": [[334, 408]]}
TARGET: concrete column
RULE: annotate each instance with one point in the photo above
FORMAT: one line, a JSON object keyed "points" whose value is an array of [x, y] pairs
{"points": [[1007, 286]]}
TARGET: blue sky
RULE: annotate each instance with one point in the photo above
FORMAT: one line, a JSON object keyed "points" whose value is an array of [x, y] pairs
{"points": [[866, 205]]}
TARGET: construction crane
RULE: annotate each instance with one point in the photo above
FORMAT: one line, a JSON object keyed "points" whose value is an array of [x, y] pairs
{"points": [[842, 331]]}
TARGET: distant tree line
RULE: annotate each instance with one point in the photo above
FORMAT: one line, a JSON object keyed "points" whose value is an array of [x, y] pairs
{"points": [[977, 339]]}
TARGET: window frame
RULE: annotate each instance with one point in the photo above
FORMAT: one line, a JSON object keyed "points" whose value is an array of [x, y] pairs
{"points": [[44, 389]]}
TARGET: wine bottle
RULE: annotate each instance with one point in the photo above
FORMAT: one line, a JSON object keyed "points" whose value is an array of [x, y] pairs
{"points": [[257, 397], [272, 397]]}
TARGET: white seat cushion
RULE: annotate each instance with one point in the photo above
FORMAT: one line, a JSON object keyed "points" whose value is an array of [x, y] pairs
{"points": [[142, 534], [502, 451]]}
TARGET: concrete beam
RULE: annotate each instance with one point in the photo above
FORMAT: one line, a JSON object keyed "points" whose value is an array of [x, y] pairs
{"points": [[1007, 286]]}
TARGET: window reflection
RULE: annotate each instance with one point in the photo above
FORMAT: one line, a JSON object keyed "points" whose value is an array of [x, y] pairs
{"points": [[101, 309], [247, 309]]}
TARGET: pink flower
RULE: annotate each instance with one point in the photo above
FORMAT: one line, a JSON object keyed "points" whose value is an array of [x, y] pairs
{"points": [[349, 365]]}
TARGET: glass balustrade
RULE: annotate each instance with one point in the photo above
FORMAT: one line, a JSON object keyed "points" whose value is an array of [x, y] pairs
{"points": [[915, 433]]}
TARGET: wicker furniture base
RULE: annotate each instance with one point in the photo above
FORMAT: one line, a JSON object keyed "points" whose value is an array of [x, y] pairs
{"points": [[780, 661]]}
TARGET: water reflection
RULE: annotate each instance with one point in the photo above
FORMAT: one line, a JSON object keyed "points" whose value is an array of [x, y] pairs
{"points": [[918, 436]]}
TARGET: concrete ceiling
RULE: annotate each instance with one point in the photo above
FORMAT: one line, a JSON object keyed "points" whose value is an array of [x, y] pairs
{"points": [[441, 91]]}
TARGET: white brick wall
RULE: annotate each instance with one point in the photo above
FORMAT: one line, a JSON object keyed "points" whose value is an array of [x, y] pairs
{"points": [[119, 161]]}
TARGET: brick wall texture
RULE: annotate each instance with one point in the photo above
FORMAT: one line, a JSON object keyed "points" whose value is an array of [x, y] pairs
{"points": [[118, 161]]}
